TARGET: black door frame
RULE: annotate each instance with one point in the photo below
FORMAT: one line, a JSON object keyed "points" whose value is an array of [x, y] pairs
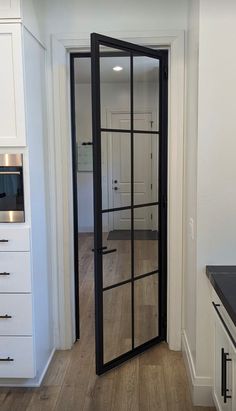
{"points": [[162, 175], [75, 196], [162, 55]]}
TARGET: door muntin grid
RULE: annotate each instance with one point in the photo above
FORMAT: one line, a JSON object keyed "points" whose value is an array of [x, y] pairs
{"points": [[130, 344]]}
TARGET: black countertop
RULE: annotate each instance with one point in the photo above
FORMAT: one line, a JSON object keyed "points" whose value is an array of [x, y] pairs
{"points": [[223, 279]]}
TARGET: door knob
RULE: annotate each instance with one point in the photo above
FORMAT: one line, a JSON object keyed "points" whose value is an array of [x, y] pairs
{"points": [[115, 188]]}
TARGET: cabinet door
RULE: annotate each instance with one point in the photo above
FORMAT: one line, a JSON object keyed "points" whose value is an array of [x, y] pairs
{"points": [[15, 314], [232, 353], [17, 358], [12, 113], [222, 390]]}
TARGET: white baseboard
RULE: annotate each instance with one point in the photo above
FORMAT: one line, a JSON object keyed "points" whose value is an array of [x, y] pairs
{"points": [[200, 387], [31, 383], [46, 367]]}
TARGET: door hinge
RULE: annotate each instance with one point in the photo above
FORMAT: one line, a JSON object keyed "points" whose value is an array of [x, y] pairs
{"points": [[151, 123], [151, 186], [166, 73], [151, 216], [164, 201], [164, 322], [151, 156]]}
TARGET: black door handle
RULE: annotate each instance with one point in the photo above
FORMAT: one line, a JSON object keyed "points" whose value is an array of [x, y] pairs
{"points": [[103, 250], [113, 250], [4, 241], [4, 273], [99, 249]]}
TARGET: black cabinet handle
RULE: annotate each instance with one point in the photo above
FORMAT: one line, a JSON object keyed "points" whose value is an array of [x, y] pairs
{"points": [[226, 390], [87, 143], [4, 241], [224, 361], [222, 372], [4, 273], [5, 317], [6, 359]]}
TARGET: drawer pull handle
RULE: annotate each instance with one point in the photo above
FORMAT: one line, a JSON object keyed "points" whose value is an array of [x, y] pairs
{"points": [[4, 241], [6, 359], [5, 317], [224, 361], [4, 273]]}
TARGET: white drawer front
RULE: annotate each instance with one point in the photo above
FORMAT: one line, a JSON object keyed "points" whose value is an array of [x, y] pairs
{"points": [[14, 239], [20, 349], [19, 308], [15, 273]]}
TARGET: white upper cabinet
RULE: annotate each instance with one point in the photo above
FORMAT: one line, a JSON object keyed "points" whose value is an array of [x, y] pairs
{"points": [[9, 9], [12, 108]]}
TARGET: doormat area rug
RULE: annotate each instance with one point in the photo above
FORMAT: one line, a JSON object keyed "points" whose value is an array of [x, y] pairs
{"points": [[138, 235]]}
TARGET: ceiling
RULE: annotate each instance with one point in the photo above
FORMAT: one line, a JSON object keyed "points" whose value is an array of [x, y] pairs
{"points": [[146, 69]]}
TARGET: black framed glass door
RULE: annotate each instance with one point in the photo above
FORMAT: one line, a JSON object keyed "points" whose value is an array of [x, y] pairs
{"points": [[130, 198]]}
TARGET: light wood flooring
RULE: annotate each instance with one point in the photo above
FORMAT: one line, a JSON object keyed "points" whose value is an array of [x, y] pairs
{"points": [[154, 381]]}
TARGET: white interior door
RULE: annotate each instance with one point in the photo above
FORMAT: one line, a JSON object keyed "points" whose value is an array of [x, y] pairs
{"points": [[121, 171]]}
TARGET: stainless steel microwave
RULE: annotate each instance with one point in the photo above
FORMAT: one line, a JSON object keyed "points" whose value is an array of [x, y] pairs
{"points": [[11, 189]]}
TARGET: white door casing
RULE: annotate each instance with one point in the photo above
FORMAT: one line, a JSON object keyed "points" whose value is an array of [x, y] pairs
{"points": [[61, 215]]}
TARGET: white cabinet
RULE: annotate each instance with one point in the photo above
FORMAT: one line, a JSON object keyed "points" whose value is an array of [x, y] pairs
{"points": [[16, 308], [15, 273], [17, 357], [14, 239], [16, 314], [224, 389], [10, 9], [12, 112], [26, 333]]}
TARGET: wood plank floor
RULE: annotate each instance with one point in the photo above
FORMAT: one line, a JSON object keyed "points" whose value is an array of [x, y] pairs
{"points": [[154, 381]]}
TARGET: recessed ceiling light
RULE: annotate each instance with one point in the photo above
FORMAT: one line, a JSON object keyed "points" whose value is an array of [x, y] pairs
{"points": [[117, 68]]}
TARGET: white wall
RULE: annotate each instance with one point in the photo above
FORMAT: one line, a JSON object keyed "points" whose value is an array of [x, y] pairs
{"points": [[36, 138], [190, 176], [216, 155], [37, 135], [210, 171], [115, 96], [80, 16], [33, 14]]}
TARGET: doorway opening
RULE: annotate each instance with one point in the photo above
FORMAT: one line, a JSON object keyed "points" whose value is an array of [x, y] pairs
{"points": [[125, 169]]}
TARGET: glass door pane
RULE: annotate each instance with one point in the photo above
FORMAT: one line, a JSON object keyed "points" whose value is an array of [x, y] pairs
{"points": [[129, 105]]}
